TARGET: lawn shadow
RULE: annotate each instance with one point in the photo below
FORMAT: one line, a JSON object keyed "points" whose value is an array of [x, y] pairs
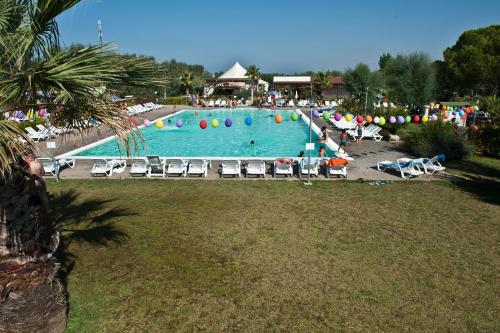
{"points": [[474, 169], [486, 190], [86, 221]]}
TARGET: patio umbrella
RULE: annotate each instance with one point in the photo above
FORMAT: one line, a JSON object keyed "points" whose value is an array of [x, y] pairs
{"points": [[296, 95], [273, 93]]}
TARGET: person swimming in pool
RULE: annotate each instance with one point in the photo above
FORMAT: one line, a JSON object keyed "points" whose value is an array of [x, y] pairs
{"points": [[252, 142]]}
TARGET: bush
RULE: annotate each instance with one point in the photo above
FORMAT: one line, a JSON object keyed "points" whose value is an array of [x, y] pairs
{"points": [[487, 140], [32, 123], [435, 138], [174, 101]]}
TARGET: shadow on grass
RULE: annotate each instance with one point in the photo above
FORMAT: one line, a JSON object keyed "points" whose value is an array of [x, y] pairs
{"points": [[474, 169], [85, 221], [487, 190]]}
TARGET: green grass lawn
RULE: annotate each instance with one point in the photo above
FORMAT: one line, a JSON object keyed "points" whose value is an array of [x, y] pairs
{"points": [[260, 256]]}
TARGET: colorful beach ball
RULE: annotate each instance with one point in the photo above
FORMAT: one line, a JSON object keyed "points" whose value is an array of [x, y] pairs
{"points": [[401, 120], [392, 119], [416, 119], [179, 123], [359, 119], [348, 117], [147, 123], [425, 119], [376, 120], [294, 116], [407, 119], [159, 124], [337, 116], [381, 121], [214, 123], [434, 117], [248, 121], [326, 116], [278, 119], [368, 119], [203, 124], [315, 114], [228, 122]]}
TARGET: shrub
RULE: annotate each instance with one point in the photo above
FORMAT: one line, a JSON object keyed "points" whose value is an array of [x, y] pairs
{"points": [[32, 123], [435, 138], [174, 101], [488, 140]]}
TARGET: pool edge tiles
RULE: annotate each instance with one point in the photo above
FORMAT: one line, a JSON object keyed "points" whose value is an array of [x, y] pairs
{"points": [[205, 144]]}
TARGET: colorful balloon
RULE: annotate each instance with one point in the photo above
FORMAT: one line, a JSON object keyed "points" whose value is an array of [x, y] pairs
{"points": [[381, 121], [461, 113], [42, 112], [179, 123], [468, 110], [147, 123], [337, 116], [203, 124], [434, 117], [425, 119], [368, 119], [278, 119], [445, 115], [133, 121], [401, 120], [474, 128], [476, 108], [348, 117], [407, 119], [376, 120], [228, 122], [392, 119], [294, 116], [159, 124], [248, 121], [315, 114], [359, 119], [214, 123], [326, 116], [416, 119]]}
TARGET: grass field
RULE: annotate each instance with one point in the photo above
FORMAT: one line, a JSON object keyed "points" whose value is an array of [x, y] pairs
{"points": [[254, 256]]}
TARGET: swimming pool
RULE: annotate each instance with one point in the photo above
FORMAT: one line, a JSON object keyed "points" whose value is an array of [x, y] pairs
{"points": [[271, 139]]}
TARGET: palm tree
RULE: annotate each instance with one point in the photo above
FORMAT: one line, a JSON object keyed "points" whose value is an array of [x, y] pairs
{"points": [[71, 83], [253, 74], [187, 81], [322, 81]]}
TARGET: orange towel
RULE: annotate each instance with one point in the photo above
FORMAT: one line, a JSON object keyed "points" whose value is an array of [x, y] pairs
{"points": [[337, 162]]}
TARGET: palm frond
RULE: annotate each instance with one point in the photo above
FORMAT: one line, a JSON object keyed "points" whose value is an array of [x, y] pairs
{"points": [[13, 143]]}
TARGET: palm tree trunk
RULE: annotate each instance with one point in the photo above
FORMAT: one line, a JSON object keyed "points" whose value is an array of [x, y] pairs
{"points": [[251, 94], [31, 297]]}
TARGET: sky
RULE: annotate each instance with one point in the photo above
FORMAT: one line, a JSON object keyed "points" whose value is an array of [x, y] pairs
{"points": [[277, 35]]}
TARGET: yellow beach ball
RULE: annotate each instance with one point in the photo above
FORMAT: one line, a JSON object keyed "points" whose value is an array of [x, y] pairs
{"points": [[215, 123], [159, 124]]}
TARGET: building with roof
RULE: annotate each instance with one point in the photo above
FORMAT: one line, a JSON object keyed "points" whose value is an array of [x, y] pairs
{"points": [[235, 78]]}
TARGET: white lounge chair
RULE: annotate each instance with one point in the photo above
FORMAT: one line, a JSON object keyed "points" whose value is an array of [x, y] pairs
{"points": [[336, 170], [43, 129], [156, 167], [139, 168], [430, 165], [49, 167], [230, 168], [34, 135], [176, 167], [223, 103], [256, 168], [309, 166], [404, 168], [198, 167], [283, 167], [211, 103], [106, 168], [291, 103], [217, 103]]}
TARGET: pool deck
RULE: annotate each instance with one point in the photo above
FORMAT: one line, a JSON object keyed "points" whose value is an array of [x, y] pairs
{"points": [[366, 154]]}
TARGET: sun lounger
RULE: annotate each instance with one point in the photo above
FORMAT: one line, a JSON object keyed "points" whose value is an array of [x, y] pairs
{"points": [[343, 124], [404, 168], [291, 103], [198, 167], [217, 103], [223, 103], [309, 166], [368, 132], [106, 168], [156, 167], [176, 167], [43, 129], [211, 103], [283, 167], [34, 135], [430, 165], [256, 168], [139, 168], [336, 167], [230, 168]]}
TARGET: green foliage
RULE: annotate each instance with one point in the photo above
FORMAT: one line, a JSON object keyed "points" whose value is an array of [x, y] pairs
{"points": [[492, 104], [410, 80], [174, 101], [322, 81], [353, 105], [473, 63], [488, 140], [37, 121], [383, 60], [360, 78], [427, 140]]}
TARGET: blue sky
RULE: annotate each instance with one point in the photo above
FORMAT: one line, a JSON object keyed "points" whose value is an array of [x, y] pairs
{"points": [[279, 35]]}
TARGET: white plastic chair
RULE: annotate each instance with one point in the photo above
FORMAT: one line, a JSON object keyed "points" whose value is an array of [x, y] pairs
{"points": [[230, 168], [404, 168], [139, 168], [176, 167], [198, 167], [256, 168]]}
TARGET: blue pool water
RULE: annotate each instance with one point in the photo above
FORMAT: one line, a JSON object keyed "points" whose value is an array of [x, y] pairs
{"points": [[271, 139]]}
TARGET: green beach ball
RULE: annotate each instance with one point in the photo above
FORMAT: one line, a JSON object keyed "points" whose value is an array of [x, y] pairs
{"points": [[295, 116], [326, 116], [407, 119], [381, 122], [215, 123]]}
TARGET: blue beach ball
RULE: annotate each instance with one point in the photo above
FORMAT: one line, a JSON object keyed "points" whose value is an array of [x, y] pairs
{"points": [[248, 120], [228, 122]]}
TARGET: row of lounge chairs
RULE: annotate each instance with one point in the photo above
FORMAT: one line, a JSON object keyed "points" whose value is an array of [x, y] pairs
{"points": [[415, 167], [142, 108], [50, 166], [371, 131], [43, 132], [154, 166]]}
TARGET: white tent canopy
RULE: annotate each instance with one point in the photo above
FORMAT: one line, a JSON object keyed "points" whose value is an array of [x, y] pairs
{"points": [[237, 72]]}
